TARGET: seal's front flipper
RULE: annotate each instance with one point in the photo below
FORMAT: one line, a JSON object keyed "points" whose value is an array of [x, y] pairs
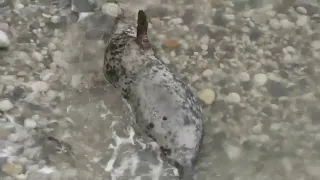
{"points": [[142, 30]]}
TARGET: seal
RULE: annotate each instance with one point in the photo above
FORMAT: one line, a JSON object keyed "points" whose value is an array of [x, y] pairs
{"points": [[164, 106]]}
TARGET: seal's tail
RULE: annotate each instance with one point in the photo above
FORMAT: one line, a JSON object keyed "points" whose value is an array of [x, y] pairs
{"points": [[142, 30]]}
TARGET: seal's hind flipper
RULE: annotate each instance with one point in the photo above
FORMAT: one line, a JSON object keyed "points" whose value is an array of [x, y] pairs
{"points": [[142, 30]]}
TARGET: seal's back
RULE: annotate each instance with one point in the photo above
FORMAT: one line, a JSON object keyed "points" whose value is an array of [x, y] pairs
{"points": [[165, 107]]}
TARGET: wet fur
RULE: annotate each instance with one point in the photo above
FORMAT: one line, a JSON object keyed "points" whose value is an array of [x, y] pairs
{"points": [[165, 107]]}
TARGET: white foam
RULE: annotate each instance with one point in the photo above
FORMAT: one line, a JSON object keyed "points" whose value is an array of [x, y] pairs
{"points": [[129, 161]]}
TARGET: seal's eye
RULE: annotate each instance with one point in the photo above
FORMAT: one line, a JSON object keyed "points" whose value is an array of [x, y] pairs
{"points": [[164, 118]]}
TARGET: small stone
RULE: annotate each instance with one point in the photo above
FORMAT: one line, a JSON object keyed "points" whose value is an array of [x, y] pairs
{"points": [[260, 79], [302, 10], [6, 105], [315, 45], [204, 47], [302, 20], [171, 43], [257, 129], [229, 17], [233, 152], [37, 56], [244, 76], [76, 80], [40, 86], [111, 9], [156, 22], [207, 96], [233, 98], [207, 73], [55, 19], [4, 26], [51, 95], [30, 123], [205, 39], [175, 21], [59, 60], [51, 47], [274, 23], [12, 169], [286, 24], [13, 138], [4, 40], [264, 138]]}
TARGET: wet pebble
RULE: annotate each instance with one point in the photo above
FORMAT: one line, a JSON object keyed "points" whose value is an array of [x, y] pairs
{"points": [[30, 123], [40, 86], [301, 10], [37, 56], [233, 98], [274, 23], [244, 76], [4, 26], [111, 9], [207, 96], [260, 79], [207, 73], [302, 20], [12, 169], [76, 80], [5, 105], [4, 40]]}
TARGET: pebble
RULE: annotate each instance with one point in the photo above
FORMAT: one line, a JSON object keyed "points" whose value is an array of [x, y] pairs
{"points": [[55, 19], [111, 9], [12, 169], [207, 73], [13, 138], [6, 105], [302, 10], [175, 21], [257, 129], [260, 79], [233, 152], [156, 22], [59, 60], [229, 17], [171, 43], [286, 24], [274, 23], [275, 126], [264, 138], [76, 80], [244, 76], [302, 20], [37, 56], [316, 45], [40, 86], [207, 96], [4, 26], [30, 123], [51, 95], [233, 98], [4, 40]]}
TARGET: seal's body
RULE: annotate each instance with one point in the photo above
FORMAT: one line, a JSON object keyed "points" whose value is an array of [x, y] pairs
{"points": [[165, 107]]}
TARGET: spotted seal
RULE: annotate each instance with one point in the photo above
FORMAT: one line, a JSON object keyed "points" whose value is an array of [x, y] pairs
{"points": [[165, 107]]}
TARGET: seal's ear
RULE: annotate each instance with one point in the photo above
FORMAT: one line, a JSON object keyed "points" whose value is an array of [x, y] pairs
{"points": [[142, 30]]}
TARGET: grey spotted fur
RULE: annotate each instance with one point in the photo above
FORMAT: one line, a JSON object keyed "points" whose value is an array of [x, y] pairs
{"points": [[165, 107]]}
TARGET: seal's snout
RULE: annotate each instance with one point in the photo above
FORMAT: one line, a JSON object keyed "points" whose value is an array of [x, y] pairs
{"points": [[142, 30]]}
